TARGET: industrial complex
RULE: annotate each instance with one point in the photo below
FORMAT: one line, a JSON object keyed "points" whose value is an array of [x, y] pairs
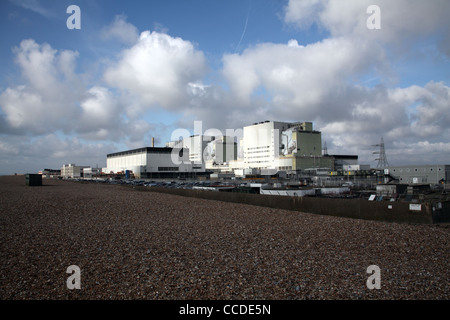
{"points": [[267, 148], [287, 150], [274, 159]]}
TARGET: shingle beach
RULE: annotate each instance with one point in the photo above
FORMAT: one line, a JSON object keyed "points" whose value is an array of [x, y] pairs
{"points": [[130, 244]]}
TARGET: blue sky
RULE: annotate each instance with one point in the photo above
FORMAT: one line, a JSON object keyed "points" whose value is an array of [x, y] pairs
{"points": [[141, 69]]}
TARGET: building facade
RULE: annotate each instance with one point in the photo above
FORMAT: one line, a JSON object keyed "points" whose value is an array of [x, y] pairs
{"points": [[425, 174], [72, 171], [281, 146], [221, 150], [152, 162], [262, 142], [208, 149], [50, 173], [91, 172]]}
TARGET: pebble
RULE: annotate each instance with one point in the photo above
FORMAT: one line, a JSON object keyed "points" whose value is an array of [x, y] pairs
{"points": [[146, 245]]}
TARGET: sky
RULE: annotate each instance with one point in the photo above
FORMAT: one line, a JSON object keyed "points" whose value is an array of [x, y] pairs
{"points": [[137, 70]]}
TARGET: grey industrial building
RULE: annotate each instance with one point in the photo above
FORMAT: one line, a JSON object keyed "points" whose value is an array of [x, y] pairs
{"points": [[419, 174]]}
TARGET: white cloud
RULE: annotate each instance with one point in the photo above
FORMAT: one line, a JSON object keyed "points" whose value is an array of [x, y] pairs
{"points": [[157, 70], [402, 21], [50, 151], [22, 109], [303, 13], [54, 97], [299, 79], [99, 114], [413, 118], [46, 101], [325, 81], [37, 63], [122, 30], [318, 82]]}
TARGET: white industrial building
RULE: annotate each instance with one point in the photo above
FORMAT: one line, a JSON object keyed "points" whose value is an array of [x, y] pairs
{"points": [[91, 172], [262, 144], [273, 146], [152, 162], [72, 171], [266, 148], [221, 150], [195, 145], [208, 150]]}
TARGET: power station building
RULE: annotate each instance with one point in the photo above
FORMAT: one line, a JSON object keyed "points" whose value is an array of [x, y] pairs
{"points": [[266, 148], [273, 146], [154, 162], [208, 150], [420, 174], [195, 145]]}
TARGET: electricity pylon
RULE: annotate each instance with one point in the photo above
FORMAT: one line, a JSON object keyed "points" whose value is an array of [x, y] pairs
{"points": [[382, 159]]}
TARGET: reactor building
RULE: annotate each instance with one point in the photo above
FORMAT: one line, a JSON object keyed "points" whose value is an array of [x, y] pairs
{"points": [[266, 148]]}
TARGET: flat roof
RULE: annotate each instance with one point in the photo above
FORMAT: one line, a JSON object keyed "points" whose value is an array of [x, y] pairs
{"points": [[164, 150]]}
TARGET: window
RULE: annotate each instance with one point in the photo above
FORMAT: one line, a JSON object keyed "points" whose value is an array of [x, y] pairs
{"points": [[168, 168]]}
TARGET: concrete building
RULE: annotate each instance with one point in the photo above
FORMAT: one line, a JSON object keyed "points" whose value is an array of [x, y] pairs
{"points": [[153, 162], [50, 173], [420, 174], [196, 145], [262, 144], [208, 150], [221, 150], [273, 146], [72, 171], [345, 162], [265, 148], [91, 172]]}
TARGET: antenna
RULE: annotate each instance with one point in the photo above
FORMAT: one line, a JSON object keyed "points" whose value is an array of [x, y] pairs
{"points": [[382, 159]]}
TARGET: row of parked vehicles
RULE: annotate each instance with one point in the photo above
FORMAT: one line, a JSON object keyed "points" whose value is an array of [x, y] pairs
{"points": [[166, 184], [158, 184]]}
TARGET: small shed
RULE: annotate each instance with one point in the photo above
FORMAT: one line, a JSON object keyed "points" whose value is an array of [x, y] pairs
{"points": [[32, 179]]}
